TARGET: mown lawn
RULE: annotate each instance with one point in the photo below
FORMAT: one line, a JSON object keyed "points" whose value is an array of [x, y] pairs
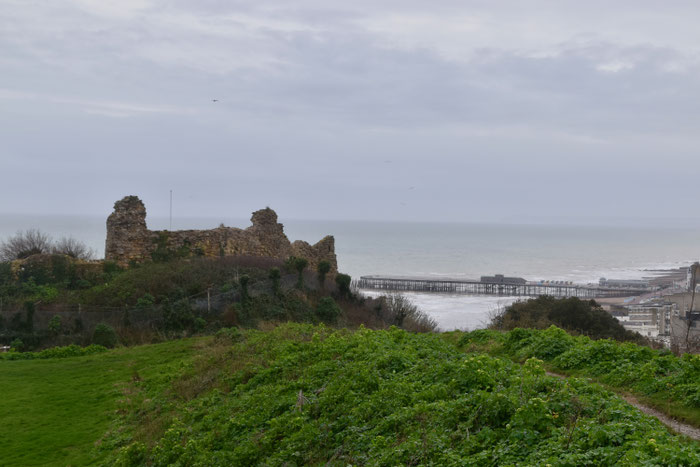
{"points": [[53, 411]]}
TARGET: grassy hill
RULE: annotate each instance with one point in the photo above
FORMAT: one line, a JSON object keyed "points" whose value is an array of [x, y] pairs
{"points": [[55, 410], [667, 382], [302, 394]]}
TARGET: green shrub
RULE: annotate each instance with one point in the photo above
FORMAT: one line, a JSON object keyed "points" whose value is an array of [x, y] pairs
{"points": [[343, 282], [146, 301], [571, 314], [274, 275], [243, 282], [17, 345], [56, 352], [55, 325], [480, 336], [178, 316], [327, 310], [111, 268], [105, 336], [300, 264], [230, 335], [199, 324]]}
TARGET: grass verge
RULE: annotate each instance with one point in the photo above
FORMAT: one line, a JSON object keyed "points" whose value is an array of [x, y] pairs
{"points": [[55, 410]]}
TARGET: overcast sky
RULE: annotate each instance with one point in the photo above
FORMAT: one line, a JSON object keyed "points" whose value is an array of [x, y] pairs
{"points": [[399, 110]]}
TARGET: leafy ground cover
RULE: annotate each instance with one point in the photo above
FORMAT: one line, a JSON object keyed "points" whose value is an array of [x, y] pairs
{"points": [[311, 395], [55, 409], [54, 352], [657, 377], [302, 394]]}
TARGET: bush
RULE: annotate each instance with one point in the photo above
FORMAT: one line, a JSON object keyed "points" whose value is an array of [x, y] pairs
{"points": [[571, 314], [146, 301], [230, 335], [55, 325], [56, 352], [105, 336], [327, 310], [300, 264], [17, 345], [343, 282], [178, 316], [243, 282], [274, 276]]}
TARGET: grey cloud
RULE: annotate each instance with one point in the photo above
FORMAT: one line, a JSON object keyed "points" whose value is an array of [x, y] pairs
{"points": [[117, 98]]}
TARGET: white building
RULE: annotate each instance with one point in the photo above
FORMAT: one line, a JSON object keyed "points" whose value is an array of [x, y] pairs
{"points": [[651, 319]]}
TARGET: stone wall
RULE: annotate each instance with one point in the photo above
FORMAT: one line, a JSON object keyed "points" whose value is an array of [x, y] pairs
{"points": [[129, 240]]}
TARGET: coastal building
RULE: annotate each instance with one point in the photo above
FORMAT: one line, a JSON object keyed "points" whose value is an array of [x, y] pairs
{"points": [[501, 279], [690, 280], [652, 320], [685, 322], [623, 283]]}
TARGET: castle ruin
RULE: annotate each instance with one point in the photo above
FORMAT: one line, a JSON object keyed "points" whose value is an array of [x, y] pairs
{"points": [[129, 240]]}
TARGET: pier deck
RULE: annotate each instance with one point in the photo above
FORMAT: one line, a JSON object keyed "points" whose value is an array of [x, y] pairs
{"points": [[477, 287]]}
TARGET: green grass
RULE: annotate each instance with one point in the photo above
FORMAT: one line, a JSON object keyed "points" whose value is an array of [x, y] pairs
{"points": [[314, 395], [55, 410]]}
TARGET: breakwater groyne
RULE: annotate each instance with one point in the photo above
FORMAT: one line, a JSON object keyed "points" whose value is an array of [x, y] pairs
{"points": [[496, 285]]}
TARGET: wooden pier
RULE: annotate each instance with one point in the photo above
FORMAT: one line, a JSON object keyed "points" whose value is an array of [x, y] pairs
{"points": [[476, 287]]}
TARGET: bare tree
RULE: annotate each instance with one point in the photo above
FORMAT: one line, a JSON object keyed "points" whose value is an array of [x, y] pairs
{"points": [[74, 248], [399, 310], [24, 244]]}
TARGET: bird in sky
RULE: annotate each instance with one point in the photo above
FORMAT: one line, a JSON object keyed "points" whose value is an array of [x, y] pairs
{"points": [[215, 100]]}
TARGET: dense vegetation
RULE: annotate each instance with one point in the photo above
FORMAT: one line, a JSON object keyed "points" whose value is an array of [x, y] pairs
{"points": [[670, 383], [302, 394], [57, 301], [572, 314], [310, 395], [55, 352]]}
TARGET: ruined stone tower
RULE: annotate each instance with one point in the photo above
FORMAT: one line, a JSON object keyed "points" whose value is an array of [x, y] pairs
{"points": [[129, 240], [127, 234]]}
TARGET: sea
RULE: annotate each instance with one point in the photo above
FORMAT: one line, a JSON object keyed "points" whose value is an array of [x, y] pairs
{"points": [[582, 254]]}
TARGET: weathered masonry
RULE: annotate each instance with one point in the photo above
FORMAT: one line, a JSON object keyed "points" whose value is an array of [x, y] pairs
{"points": [[129, 240]]}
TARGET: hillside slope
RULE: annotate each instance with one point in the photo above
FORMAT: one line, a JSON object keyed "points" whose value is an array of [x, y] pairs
{"points": [[55, 410], [301, 394], [309, 395]]}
